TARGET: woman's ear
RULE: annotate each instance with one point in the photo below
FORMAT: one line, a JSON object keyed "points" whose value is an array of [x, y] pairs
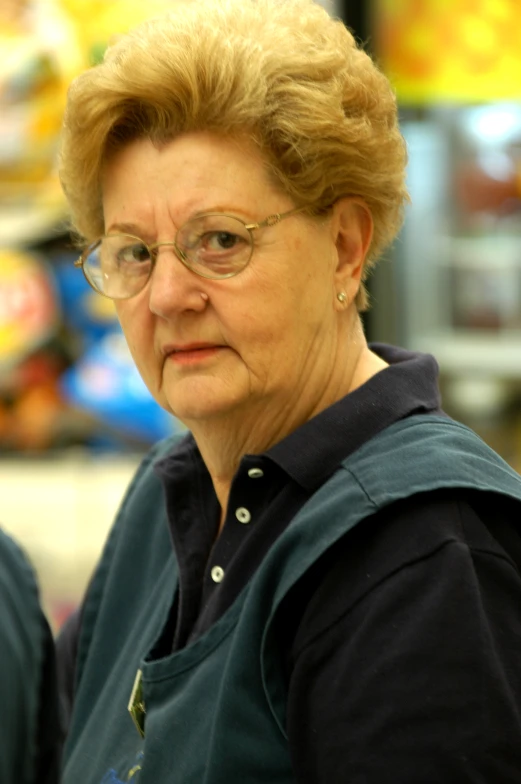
{"points": [[352, 225]]}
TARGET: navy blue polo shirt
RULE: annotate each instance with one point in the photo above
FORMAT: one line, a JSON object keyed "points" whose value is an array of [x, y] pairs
{"points": [[269, 489]]}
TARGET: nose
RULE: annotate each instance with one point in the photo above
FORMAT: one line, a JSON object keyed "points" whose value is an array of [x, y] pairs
{"points": [[174, 288]]}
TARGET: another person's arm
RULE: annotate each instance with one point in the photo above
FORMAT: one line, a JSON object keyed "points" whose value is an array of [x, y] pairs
{"points": [[29, 723]]}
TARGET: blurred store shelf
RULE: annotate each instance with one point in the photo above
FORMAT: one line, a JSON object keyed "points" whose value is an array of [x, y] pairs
{"points": [[31, 224], [461, 352], [60, 510]]}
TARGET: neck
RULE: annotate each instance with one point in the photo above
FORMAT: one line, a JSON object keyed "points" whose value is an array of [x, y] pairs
{"points": [[224, 441]]}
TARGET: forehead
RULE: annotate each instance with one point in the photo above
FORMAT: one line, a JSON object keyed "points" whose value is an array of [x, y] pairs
{"points": [[194, 173]]}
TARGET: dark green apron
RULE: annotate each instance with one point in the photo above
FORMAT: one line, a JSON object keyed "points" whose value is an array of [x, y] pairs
{"points": [[215, 710]]}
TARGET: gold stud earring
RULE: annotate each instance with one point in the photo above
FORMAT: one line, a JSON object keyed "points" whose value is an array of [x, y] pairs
{"points": [[341, 297]]}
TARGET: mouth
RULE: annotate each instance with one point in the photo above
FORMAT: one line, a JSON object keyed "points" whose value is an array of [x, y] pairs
{"points": [[191, 353]]}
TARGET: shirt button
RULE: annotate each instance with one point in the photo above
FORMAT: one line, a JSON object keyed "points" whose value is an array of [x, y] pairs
{"points": [[217, 574], [242, 515], [255, 473]]}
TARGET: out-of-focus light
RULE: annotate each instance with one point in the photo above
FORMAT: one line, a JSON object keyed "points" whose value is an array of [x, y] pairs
{"points": [[494, 124], [497, 165]]}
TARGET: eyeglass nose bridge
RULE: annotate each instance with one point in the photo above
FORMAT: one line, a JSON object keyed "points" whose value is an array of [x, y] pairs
{"points": [[181, 255]]}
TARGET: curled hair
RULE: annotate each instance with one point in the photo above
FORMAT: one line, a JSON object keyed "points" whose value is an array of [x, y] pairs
{"points": [[282, 72]]}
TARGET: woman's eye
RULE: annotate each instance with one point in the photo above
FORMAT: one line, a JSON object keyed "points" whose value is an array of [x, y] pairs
{"points": [[134, 253], [220, 240]]}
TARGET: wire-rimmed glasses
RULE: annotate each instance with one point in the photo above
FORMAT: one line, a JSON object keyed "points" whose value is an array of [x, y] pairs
{"points": [[213, 246]]}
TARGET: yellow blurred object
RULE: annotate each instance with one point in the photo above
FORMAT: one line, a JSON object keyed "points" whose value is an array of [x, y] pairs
{"points": [[28, 307], [40, 56], [100, 308], [97, 21], [461, 51], [44, 45]]}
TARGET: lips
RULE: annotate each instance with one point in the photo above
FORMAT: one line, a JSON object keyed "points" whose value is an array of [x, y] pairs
{"points": [[191, 354], [187, 348]]}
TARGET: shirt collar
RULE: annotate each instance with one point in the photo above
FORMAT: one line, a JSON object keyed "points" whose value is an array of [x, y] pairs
{"points": [[313, 452], [408, 386]]}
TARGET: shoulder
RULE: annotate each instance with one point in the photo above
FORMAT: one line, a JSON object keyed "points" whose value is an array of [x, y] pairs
{"points": [[20, 611], [158, 455], [18, 586], [143, 501], [27, 678], [413, 623], [444, 533], [428, 452]]}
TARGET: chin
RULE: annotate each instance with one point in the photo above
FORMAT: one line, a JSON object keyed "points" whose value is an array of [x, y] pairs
{"points": [[202, 403], [192, 413]]}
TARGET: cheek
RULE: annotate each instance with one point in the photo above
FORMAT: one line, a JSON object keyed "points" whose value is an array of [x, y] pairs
{"points": [[125, 322], [134, 330]]}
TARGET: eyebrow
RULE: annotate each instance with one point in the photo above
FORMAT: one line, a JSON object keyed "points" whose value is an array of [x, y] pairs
{"points": [[135, 230], [124, 228]]}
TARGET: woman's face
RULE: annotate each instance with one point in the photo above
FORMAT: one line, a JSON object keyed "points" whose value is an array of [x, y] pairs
{"points": [[213, 348]]}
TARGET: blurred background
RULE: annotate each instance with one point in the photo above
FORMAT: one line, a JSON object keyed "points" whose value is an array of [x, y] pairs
{"points": [[75, 417]]}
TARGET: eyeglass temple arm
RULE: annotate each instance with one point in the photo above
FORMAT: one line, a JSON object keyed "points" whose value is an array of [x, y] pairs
{"points": [[272, 220]]}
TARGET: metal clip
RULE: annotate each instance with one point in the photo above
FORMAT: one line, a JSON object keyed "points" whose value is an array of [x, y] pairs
{"points": [[136, 705]]}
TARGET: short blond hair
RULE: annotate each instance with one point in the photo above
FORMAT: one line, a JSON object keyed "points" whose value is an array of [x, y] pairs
{"points": [[281, 71]]}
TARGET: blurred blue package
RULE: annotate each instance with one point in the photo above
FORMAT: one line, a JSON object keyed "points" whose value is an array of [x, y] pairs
{"points": [[105, 383], [84, 311]]}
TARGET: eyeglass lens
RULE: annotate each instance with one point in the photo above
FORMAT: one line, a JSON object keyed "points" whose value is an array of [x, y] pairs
{"points": [[213, 246]]}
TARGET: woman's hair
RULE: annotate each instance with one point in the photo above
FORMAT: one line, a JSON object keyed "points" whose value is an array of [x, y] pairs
{"points": [[282, 72]]}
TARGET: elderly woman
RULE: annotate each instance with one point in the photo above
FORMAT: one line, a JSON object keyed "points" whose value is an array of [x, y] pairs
{"points": [[320, 582]]}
